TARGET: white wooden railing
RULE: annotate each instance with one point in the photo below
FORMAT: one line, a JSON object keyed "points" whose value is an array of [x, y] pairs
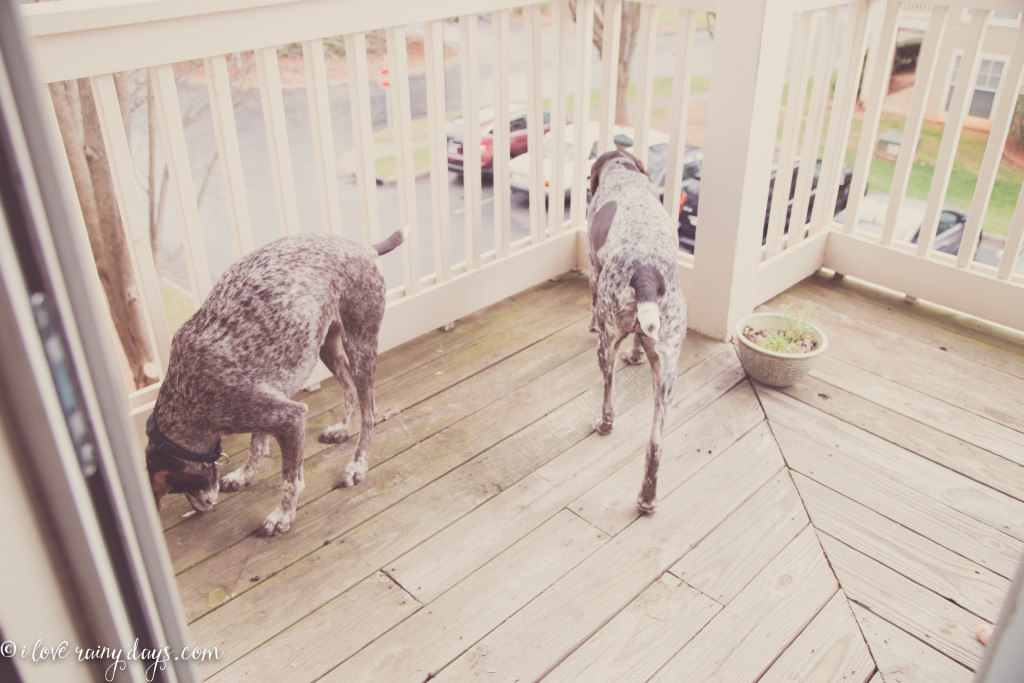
{"points": [[731, 271]]}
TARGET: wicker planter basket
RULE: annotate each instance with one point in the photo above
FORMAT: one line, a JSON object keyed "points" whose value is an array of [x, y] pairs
{"points": [[771, 367]]}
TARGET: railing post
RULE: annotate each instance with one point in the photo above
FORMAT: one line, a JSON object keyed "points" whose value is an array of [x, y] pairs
{"points": [[751, 49]]}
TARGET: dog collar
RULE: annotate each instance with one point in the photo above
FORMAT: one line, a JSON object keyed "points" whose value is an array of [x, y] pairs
{"points": [[168, 447]]}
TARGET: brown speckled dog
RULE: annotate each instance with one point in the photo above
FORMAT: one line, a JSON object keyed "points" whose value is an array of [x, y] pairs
{"points": [[634, 284], [236, 363]]}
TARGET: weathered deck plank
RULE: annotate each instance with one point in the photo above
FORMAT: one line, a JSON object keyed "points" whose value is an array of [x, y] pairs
{"points": [[354, 619], [745, 638], [901, 503], [900, 655], [831, 648], [887, 346], [552, 626], [946, 486], [424, 643], [496, 534], [926, 438], [951, 576], [439, 563], [730, 556], [632, 646]]}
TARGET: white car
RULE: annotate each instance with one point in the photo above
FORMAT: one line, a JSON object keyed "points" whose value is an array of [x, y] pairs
{"points": [[520, 168]]}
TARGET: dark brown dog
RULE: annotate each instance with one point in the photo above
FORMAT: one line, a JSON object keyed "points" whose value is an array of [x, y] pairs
{"points": [[236, 363]]}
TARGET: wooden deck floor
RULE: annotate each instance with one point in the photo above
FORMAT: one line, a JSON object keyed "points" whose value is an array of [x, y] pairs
{"points": [[857, 527]]}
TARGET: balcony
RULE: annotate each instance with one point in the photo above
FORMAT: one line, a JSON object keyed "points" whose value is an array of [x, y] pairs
{"points": [[864, 522], [860, 524]]}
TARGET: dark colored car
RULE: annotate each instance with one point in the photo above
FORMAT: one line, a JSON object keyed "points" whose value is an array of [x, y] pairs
{"points": [[517, 138], [871, 221], [690, 198], [657, 161]]}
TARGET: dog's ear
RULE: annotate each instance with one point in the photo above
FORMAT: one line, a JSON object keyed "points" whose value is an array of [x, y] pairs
{"points": [[161, 485], [640, 167], [595, 174], [602, 224]]}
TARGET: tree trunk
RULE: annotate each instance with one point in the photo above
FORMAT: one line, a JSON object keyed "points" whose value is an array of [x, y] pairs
{"points": [[629, 30], [87, 157], [627, 48]]}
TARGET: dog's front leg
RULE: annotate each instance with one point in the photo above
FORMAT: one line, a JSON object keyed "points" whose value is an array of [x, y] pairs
{"points": [[237, 480], [290, 433]]}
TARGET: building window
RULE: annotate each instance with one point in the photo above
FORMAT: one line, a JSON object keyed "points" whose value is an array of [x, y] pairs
{"points": [[985, 86], [1003, 18]]}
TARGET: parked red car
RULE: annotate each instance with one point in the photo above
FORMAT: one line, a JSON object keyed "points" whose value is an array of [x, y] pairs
{"points": [[517, 137]]}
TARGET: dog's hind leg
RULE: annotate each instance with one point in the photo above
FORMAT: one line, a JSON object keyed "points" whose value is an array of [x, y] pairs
{"points": [[332, 353], [363, 363], [238, 479], [595, 274], [636, 354], [607, 347], [663, 376]]}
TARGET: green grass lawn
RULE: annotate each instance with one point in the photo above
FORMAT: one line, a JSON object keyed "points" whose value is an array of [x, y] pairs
{"points": [[963, 179], [178, 306]]}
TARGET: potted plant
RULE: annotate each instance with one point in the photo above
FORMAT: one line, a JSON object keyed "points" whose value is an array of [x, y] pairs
{"points": [[777, 349]]}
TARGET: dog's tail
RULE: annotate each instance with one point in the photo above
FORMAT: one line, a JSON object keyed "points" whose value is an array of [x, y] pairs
{"points": [[648, 284], [392, 241]]}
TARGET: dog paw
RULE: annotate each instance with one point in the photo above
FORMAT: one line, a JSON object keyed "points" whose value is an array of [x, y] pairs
{"points": [[277, 522], [602, 426], [634, 357], [233, 481], [646, 507], [352, 476], [334, 434]]}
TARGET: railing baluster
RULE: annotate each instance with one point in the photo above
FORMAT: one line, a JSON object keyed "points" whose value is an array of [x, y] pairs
{"points": [[854, 23], [277, 139], [646, 40], [500, 150], [923, 80], [875, 87], [402, 114], [790, 137], [1005, 104], [165, 93], [951, 130], [362, 135], [323, 136], [556, 137], [812, 135], [679, 113], [535, 108], [133, 217], [228, 154], [581, 107], [609, 74], [433, 46], [1014, 240], [468, 46]]}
